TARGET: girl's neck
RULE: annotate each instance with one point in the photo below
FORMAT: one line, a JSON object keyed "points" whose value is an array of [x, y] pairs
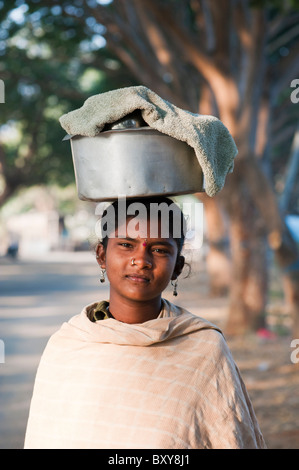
{"points": [[127, 311]]}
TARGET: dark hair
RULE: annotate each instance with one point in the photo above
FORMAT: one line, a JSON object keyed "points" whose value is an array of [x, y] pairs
{"points": [[176, 220]]}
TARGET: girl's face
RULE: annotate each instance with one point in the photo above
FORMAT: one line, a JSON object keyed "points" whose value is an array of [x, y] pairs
{"points": [[155, 263]]}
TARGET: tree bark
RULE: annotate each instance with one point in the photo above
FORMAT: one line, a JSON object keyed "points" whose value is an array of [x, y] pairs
{"points": [[218, 261], [248, 289], [249, 238]]}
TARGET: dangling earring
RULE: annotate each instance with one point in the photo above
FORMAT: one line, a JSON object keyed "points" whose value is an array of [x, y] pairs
{"points": [[174, 285], [102, 276]]}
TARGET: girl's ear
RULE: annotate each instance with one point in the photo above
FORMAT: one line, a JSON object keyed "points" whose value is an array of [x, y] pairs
{"points": [[178, 267], [101, 255]]}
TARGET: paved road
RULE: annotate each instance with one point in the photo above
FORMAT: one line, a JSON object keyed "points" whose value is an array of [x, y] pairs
{"points": [[36, 297]]}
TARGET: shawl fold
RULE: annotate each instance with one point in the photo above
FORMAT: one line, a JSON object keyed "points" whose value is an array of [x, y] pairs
{"points": [[169, 383]]}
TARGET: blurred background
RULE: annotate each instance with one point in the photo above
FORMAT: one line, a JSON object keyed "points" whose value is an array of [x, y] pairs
{"points": [[235, 59]]}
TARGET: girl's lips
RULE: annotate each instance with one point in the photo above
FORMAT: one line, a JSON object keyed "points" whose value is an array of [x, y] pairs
{"points": [[137, 278]]}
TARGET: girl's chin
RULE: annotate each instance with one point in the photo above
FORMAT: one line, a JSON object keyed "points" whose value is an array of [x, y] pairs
{"points": [[141, 295]]}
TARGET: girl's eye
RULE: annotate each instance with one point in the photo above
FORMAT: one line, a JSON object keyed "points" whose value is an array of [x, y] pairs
{"points": [[160, 251], [125, 245]]}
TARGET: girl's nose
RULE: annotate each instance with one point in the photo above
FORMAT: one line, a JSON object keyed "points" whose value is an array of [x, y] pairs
{"points": [[142, 258]]}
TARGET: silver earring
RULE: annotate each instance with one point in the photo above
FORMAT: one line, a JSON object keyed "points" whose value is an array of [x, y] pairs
{"points": [[174, 285], [102, 276]]}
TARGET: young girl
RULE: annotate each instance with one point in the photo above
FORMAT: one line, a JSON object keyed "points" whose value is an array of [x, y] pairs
{"points": [[136, 371]]}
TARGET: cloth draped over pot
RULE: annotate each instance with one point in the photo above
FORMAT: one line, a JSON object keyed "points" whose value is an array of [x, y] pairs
{"points": [[214, 146]]}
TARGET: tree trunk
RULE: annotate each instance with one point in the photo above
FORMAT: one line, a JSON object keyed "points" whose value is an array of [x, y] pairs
{"points": [[279, 238], [248, 292], [218, 262], [248, 231]]}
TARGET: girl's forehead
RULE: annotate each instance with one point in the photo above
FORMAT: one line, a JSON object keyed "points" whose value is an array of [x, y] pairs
{"points": [[141, 227]]}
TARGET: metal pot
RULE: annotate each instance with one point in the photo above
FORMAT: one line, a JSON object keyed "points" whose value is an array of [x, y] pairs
{"points": [[133, 162]]}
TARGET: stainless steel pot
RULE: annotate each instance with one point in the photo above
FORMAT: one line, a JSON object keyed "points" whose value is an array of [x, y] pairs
{"points": [[133, 162]]}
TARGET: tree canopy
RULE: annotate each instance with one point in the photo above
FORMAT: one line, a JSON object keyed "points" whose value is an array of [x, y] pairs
{"points": [[49, 64], [54, 54]]}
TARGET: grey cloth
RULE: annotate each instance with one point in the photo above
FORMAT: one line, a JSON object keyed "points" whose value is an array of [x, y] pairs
{"points": [[213, 144]]}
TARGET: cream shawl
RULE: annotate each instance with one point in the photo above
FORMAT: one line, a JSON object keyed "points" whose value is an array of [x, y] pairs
{"points": [[169, 383]]}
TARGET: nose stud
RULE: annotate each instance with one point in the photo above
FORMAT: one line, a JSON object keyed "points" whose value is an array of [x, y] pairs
{"points": [[132, 261]]}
